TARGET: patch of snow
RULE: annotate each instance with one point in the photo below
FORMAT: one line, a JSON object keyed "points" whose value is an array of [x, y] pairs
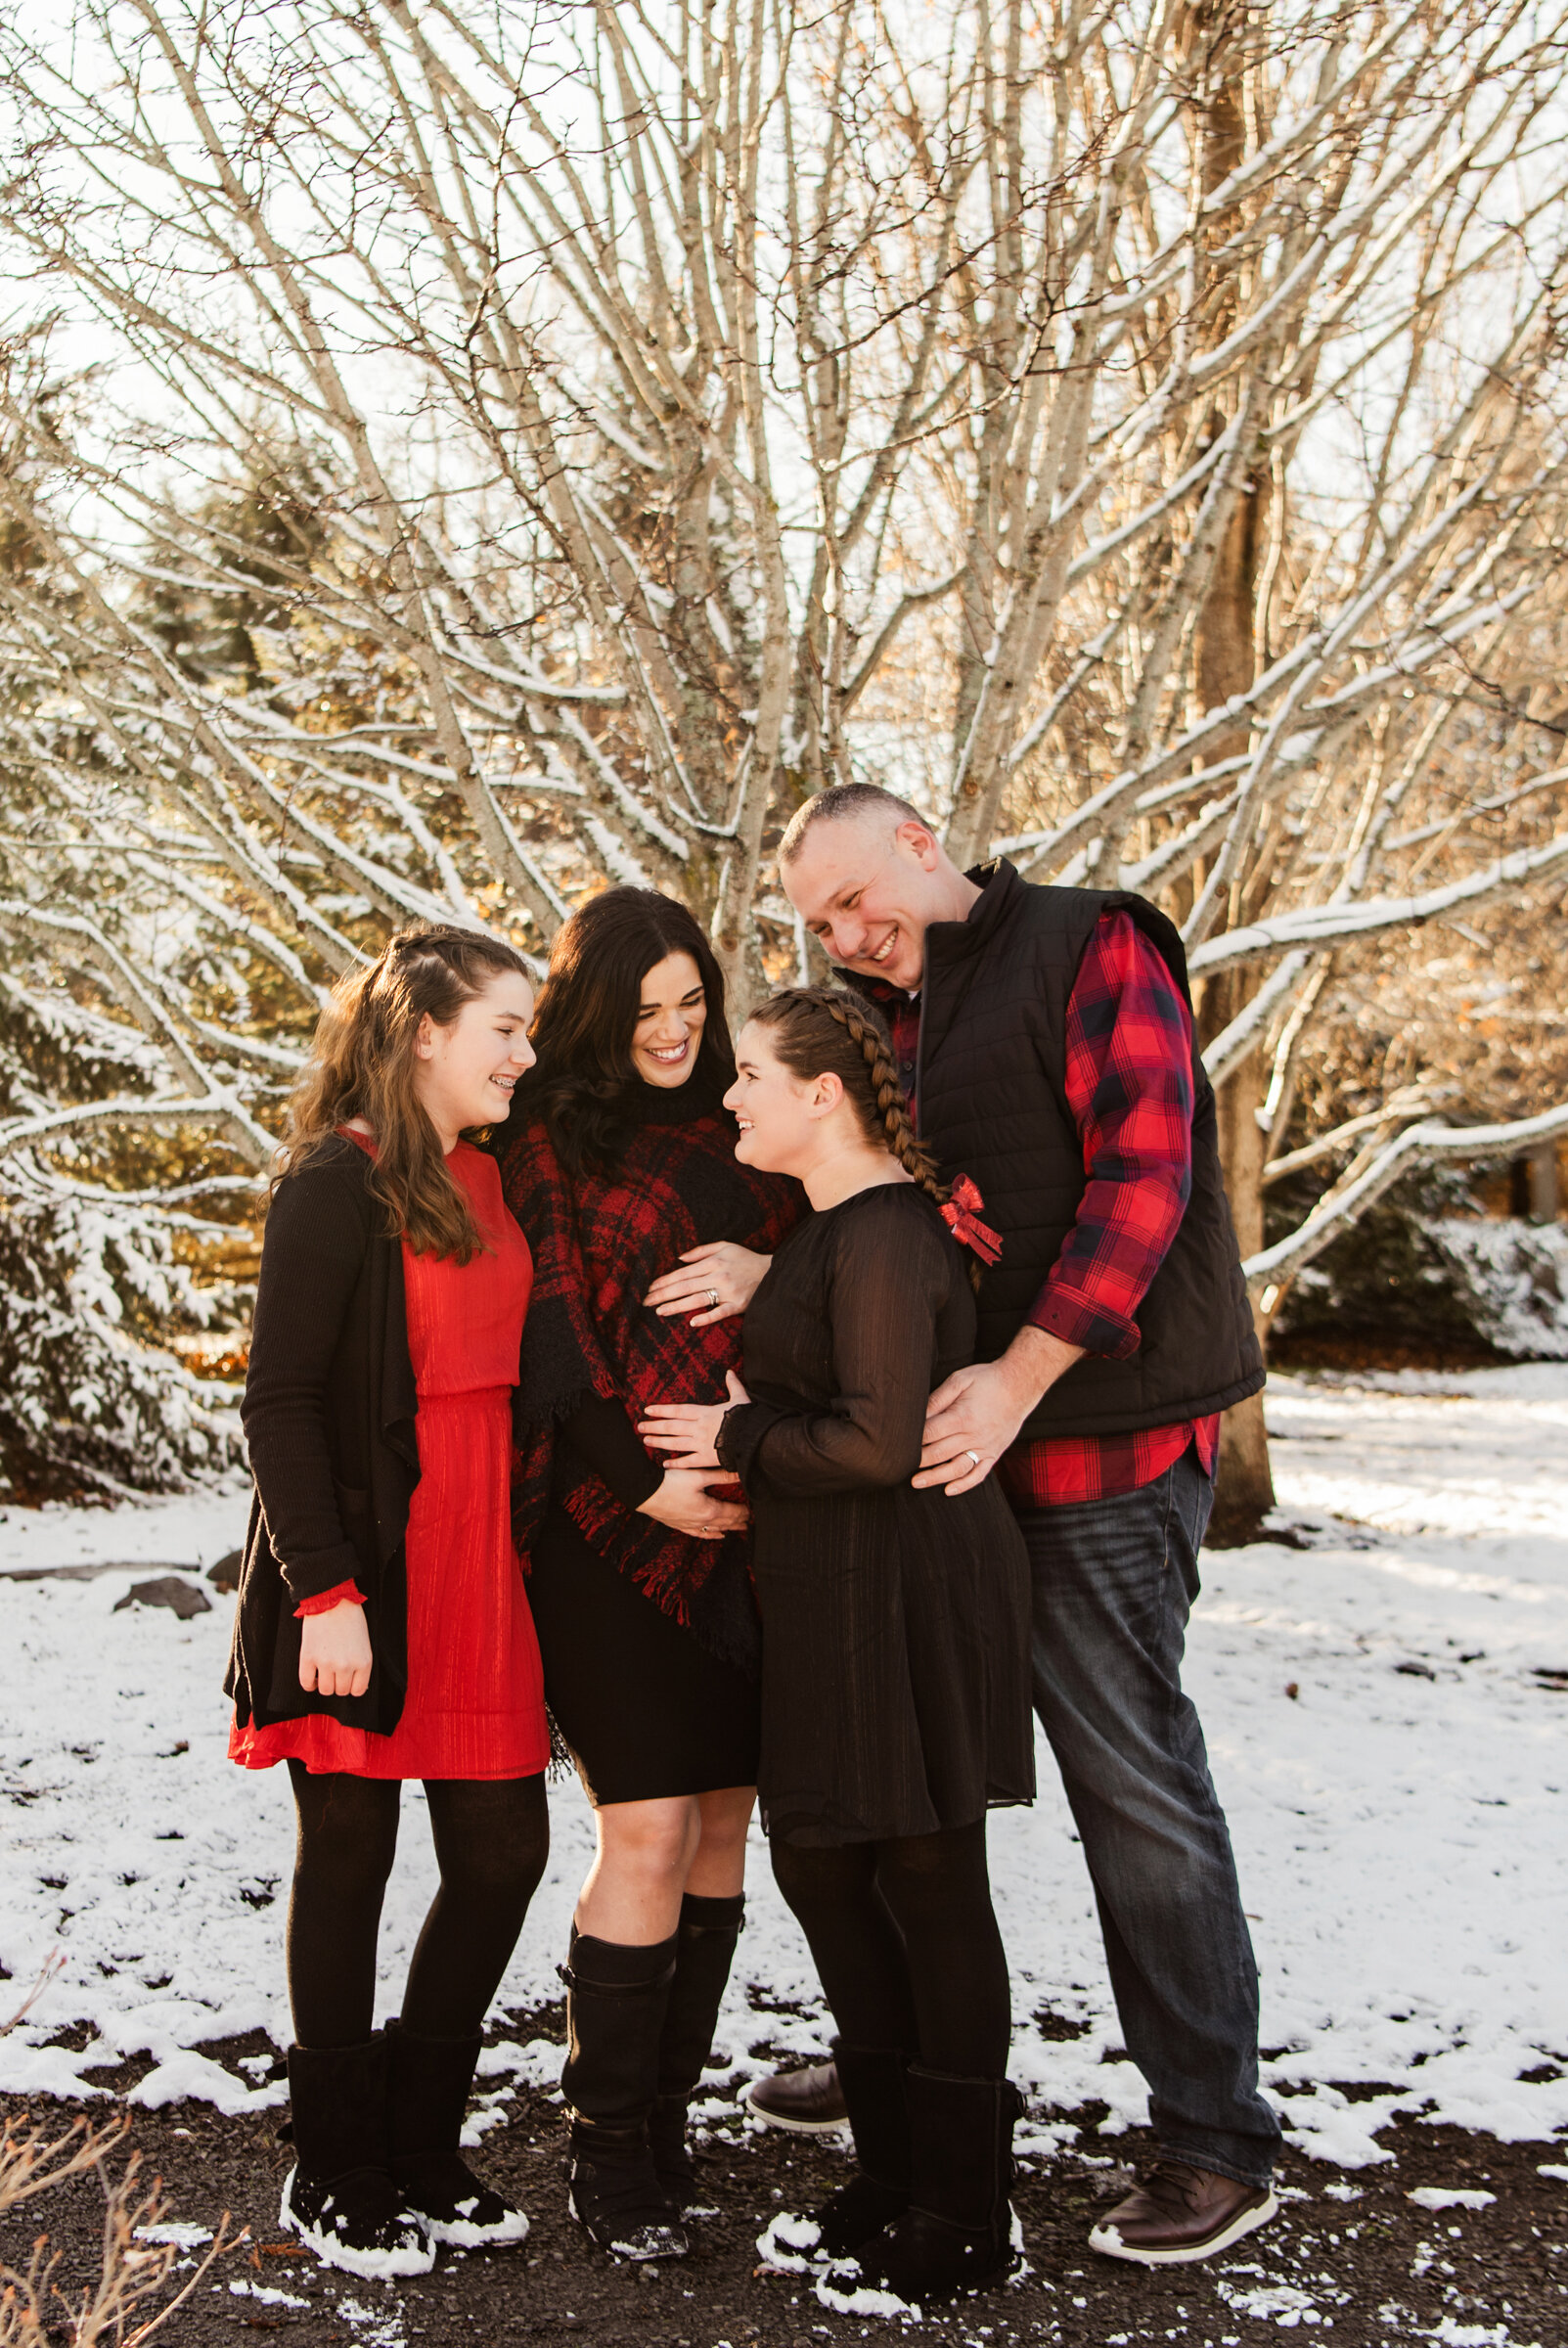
{"points": [[1398, 1836], [1442, 2196], [1516, 1274], [375, 2329], [1551, 2168], [1270, 2303], [536, 2063], [263, 2292], [844, 2296], [186, 2076], [1451, 2335], [790, 2244], [184, 2237]]}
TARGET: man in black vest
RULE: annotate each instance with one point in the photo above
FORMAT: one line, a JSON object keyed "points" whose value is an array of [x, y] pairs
{"points": [[1045, 1037]]}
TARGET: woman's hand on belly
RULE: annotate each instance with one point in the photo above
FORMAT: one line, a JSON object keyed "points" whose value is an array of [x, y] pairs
{"points": [[711, 1283], [689, 1431], [334, 1658], [685, 1504]]}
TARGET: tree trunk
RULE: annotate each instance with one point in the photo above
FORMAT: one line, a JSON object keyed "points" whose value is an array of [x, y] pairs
{"points": [[1224, 661], [1244, 1489]]}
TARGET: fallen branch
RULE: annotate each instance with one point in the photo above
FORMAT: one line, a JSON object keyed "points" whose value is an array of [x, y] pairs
{"points": [[52, 1965]]}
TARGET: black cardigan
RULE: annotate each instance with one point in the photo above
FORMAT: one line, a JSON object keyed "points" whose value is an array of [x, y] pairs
{"points": [[329, 1413]]}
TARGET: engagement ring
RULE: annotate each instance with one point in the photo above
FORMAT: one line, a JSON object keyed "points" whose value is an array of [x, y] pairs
{"points": [[713, 1300]]}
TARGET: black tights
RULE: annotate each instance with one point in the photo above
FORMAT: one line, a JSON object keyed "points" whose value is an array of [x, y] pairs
{"points": [[492, 1838], [906, 1946]]}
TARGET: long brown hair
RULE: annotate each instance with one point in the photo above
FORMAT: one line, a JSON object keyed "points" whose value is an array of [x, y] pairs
{"points": [[361, 1064], [581, 1082], [825, 1031]]}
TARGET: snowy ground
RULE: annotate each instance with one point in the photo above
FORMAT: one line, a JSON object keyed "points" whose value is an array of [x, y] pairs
{"points": [[1387, 1713]]}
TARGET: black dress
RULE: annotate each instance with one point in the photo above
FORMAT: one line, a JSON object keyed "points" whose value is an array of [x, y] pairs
{"points": [[645, 1709], [896, 1623], [651, 1642]]}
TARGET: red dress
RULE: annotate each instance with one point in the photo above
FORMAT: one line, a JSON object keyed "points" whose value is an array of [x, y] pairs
{"points": [[475, 1703]]}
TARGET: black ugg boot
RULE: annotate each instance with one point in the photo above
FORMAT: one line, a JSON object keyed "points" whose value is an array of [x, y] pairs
{"points": [[429, 2083], [340, 2198], [705, 1950], [957, 2233], [854, 2214], [616, 1998]]}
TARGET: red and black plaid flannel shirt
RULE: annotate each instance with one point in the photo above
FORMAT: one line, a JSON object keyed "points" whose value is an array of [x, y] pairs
{"points": [[1129, 1084]]}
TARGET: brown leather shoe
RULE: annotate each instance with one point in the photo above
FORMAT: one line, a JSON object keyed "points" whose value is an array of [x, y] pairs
{"points": [[810, 2101], [1177, 2214]]}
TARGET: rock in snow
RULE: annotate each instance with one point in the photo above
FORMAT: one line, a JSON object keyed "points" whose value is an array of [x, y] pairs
{"points": [[225, 1574], [181, 1597]]}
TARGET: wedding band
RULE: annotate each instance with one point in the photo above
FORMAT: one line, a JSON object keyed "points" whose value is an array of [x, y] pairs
{"points": [[705, 1529], [975, 1457], [713, 1300]]}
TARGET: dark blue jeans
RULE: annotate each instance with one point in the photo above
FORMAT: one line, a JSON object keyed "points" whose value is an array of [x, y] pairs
{"points": [[1114, 1581]]}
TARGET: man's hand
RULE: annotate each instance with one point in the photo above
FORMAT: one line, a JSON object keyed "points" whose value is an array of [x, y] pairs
{"points": [[975, 1414], [711, 1283], [335, 1656]]}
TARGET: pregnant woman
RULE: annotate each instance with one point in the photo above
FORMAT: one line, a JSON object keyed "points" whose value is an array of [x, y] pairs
{"points": [[383, 1630], [618, 1158], [895, 1651]]}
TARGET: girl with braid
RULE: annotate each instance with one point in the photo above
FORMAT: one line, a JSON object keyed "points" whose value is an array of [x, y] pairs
{"points": [[895, 1674]]}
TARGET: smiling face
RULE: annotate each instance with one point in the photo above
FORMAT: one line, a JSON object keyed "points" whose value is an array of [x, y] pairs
{"points": [[869, 892], [781, 1116], [672, 1011], [465, 1070]]}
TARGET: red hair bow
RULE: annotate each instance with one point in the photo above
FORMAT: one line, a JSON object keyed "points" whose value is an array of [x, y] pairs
{"points": [[963, 1218]]}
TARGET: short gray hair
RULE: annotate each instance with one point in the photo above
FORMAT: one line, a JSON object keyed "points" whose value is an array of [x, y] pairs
{"points": [[838, 801]]}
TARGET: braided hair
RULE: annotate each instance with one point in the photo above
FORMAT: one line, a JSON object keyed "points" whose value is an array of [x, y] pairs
{"points": [[825, 1031]]}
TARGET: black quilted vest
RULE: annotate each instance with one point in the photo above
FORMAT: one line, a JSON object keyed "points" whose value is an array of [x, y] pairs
{"points": [[991, 1102]]}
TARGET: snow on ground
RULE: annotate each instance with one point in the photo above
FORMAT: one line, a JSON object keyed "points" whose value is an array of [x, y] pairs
{"points": [[1387, 1714]]}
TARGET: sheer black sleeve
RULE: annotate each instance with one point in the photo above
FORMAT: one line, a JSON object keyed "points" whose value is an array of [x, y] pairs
{"points": [[605, 1439], [889, 1278]]}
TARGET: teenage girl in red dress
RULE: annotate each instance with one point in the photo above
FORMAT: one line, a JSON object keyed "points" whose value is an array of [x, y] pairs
{"points": [[384, 1629]]}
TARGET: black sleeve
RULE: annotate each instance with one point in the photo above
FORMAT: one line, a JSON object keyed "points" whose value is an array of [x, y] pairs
{"points": [[603, 1436], [889, 1279], [311, 1256]]}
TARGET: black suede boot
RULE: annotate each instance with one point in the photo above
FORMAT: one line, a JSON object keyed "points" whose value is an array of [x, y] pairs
{"points": [[340, 2198], [957, 2233], [429, 2083], [705, 1950], [616, 1998], [854, 2214]]}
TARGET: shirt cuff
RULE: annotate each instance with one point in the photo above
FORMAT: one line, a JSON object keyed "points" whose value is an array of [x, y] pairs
{"points": [[1065, 1313], [740, 1438], [326, 1599]]}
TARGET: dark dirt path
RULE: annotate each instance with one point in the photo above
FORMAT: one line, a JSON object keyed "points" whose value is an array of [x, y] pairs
{"points": [[1347, 2254]]}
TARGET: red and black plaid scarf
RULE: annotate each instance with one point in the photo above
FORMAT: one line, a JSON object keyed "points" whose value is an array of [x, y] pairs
{"points": [[599, 1241]]}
